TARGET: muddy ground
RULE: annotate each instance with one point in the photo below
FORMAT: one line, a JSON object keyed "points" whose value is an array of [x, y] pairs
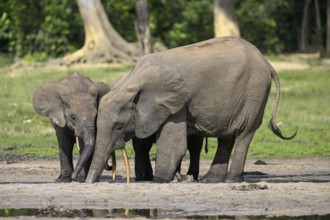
{"points": [[281, 187]]}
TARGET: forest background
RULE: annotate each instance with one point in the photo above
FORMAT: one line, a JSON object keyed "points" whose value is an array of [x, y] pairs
{"points": [[37, 30]]}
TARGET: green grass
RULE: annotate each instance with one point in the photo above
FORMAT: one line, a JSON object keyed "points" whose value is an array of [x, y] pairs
{"points": [[5, 60], [304, 105]]}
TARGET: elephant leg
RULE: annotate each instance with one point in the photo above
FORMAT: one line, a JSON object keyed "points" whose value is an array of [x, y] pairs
{"points": [[65, 138], [195, 144], [143, 168], [171, 146], [219, 167], [178, 176], [236, 169]]}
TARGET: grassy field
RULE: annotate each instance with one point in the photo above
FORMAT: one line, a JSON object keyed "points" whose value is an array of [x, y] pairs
{"points": [[304, 105]]}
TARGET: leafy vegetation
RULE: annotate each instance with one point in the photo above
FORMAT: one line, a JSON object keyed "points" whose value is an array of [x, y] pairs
{"points": [[265, 24], [37, 30], [304, 105]]}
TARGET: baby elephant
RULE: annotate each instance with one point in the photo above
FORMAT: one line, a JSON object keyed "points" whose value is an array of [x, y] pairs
{"points": [[71, 105]]}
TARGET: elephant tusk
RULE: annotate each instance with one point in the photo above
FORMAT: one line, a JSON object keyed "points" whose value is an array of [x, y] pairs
{"points": [[77, 143], [126, 212], [128, 171], [113, 161]]}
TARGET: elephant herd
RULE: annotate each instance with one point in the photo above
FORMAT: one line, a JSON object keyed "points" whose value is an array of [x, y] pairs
{"points": [[175, 98]]}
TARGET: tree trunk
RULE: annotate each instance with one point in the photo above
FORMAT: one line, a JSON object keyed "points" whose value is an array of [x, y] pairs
{"points": [[225, 21], [327, 53], [142, 26], [318, 28], [304, 45], [102, 42]]}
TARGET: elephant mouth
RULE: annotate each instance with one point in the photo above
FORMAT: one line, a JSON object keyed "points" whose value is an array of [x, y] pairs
{"points": [[129, 136]]}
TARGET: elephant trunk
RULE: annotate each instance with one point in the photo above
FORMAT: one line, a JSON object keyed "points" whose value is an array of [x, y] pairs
{"points": [[88, 138], [100, 157]]}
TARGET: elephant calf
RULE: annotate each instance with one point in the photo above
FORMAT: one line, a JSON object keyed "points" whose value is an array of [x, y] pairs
{"points": [[71, 105]]}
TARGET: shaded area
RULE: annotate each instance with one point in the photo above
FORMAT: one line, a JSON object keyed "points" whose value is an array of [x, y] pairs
{"points": [[309, 177]]}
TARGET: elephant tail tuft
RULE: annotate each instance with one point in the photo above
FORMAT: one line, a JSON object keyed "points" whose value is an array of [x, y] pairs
{"points": [[278, 132]]}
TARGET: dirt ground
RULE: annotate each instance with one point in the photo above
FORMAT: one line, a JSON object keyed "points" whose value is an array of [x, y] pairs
{"points": [[281, 187]]}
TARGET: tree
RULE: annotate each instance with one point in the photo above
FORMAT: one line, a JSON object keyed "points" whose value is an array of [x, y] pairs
{"points": [[262, 22], [225, 21], [327, 53], [305, 30], [142, 26], [318, 27], [102, 42]]}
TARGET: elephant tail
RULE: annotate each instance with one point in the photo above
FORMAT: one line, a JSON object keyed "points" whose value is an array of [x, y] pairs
{"points": [[272, 122], [206, 145]]}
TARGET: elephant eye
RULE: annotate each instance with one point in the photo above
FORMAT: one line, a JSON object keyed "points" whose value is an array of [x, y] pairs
{"points": [[118, 126], [73, 117]]}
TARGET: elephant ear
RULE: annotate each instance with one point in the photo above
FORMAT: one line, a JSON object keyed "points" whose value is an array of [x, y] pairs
{"points": [[162, 93], [47, 102], [99, 89]]}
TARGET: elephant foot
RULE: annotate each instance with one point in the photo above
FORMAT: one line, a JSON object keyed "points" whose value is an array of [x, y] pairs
{"points": [[81, 179], [187, 179], [63, 179], [216, 174], [144, 178], [183, 178], [234, 178], [194, 174], [212, 180], [159, 180]]}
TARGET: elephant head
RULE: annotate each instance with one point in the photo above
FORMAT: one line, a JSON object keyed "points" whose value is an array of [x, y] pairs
{"points": [[72, 102], [137, 106]]}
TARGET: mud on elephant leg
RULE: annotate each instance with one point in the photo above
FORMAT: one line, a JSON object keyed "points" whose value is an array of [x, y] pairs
{"points": [[195, 144], [143, 168], [219, 167]]}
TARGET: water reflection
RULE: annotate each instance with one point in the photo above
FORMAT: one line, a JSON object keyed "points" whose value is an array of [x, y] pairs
{"points": [[61, 212]]}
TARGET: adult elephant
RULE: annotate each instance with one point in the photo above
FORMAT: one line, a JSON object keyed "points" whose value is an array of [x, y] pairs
{"points": [[71, 105], [216, 88], [143, 168]]}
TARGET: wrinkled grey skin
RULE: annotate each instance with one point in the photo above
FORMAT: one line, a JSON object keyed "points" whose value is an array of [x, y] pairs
{"points": [[71, 105], [216, 88], [143, 168]]}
